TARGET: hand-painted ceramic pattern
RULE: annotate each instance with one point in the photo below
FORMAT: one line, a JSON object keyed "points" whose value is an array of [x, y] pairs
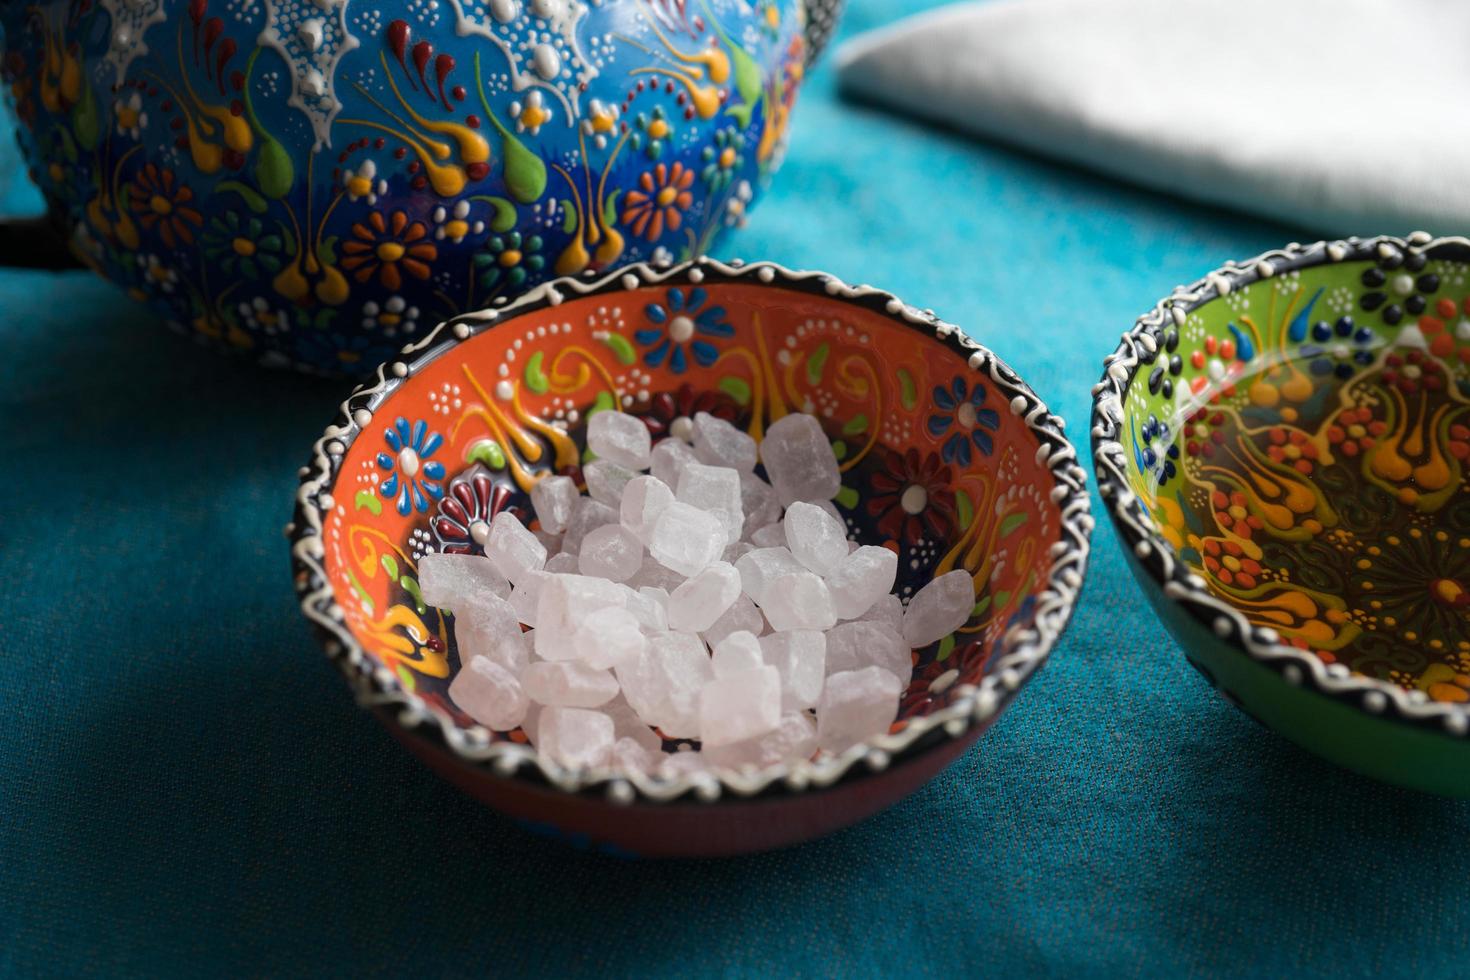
{"points": [[1299, 438], [946, 458], [317, 181]]}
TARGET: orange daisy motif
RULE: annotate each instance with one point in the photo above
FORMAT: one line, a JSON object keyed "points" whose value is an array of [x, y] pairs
{"points": [[660, 200], [388, 247], [162, 202]]}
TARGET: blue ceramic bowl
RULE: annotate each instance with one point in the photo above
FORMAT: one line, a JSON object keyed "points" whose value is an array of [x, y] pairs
{"points": [[318, 182]]}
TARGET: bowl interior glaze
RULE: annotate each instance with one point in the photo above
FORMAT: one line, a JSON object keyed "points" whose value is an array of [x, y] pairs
{"points": [[1303, 444], [952, 465]]}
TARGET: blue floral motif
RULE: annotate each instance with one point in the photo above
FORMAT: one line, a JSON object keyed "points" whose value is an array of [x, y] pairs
{"points": [[415, 478], [959, 409], [723, 158], [1340, 348], [681, 320], [335, 351], [1162, 465]]}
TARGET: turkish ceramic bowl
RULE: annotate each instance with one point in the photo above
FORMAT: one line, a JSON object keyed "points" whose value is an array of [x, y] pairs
{"points": [[946, 456], [316, 182], [1284, 447]]}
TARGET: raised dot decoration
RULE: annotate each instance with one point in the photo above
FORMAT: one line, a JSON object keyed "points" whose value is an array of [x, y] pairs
{"points": [[1314, 465], [277, 177]]}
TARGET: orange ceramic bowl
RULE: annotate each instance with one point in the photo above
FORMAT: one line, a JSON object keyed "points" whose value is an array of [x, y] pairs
{"points": [[947, 457]]}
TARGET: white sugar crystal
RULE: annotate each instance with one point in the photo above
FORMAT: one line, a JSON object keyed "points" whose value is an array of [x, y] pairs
{"points": [[490, 627], [590, 514], [736, 551], [649, 606], [642, 680], [799, 460], [718, 443], [742, 615], [760, 568], [860, 579], [704, 598], [555, 500], [686, 539], [772, 535], [655, 576], [565, 602], [489, 693], [644, 498], [795, 737], [669, 458], [610, 552], [815, 539], [737, 652], [798, 601], [531, 722], [627, 724], [714, 489], [739, 706], [632, 637], [608, 637], [830, 509], [568, 684], [512, 549], [887, 610], [606, 481], [939, 608], [663, 683], [553, 645], [630, 755], [526, 596], [859, 644], [450, 581], [856, 705], [574, 737], [800, 657], [686, 670], [620, 438], [682, 764], [760, 504], [562, 563]]}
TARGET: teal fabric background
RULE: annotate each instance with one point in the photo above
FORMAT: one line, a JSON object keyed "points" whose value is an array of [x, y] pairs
{"points": [[186, 786]]}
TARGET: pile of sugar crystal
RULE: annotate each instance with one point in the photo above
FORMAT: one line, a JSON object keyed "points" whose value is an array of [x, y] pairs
{"points": [[695, 601]]}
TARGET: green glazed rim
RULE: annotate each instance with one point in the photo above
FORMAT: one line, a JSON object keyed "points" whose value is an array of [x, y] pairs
{"points": [[1143, 346]]}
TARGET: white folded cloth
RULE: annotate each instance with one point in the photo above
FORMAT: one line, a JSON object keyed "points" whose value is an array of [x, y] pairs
{"points": [[1343, 116]]}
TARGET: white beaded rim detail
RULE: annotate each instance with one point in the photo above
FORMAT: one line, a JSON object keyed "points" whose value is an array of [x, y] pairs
{"points": [[1024, 649], [1156, 555]]}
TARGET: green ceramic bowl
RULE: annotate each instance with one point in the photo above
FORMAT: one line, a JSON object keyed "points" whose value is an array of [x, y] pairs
{"points": [[1284, 447]]}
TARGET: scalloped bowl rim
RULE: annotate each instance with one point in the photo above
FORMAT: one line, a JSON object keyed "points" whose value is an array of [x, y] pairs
{"points": [[1158, 558], [1024, 648]]}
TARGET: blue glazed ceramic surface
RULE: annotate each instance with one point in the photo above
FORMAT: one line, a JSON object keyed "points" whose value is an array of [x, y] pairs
{"points": [[318, 181]]}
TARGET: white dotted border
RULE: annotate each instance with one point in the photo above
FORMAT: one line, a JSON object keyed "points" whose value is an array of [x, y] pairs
{"points": [[1023, 649], [1156, 555]]}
